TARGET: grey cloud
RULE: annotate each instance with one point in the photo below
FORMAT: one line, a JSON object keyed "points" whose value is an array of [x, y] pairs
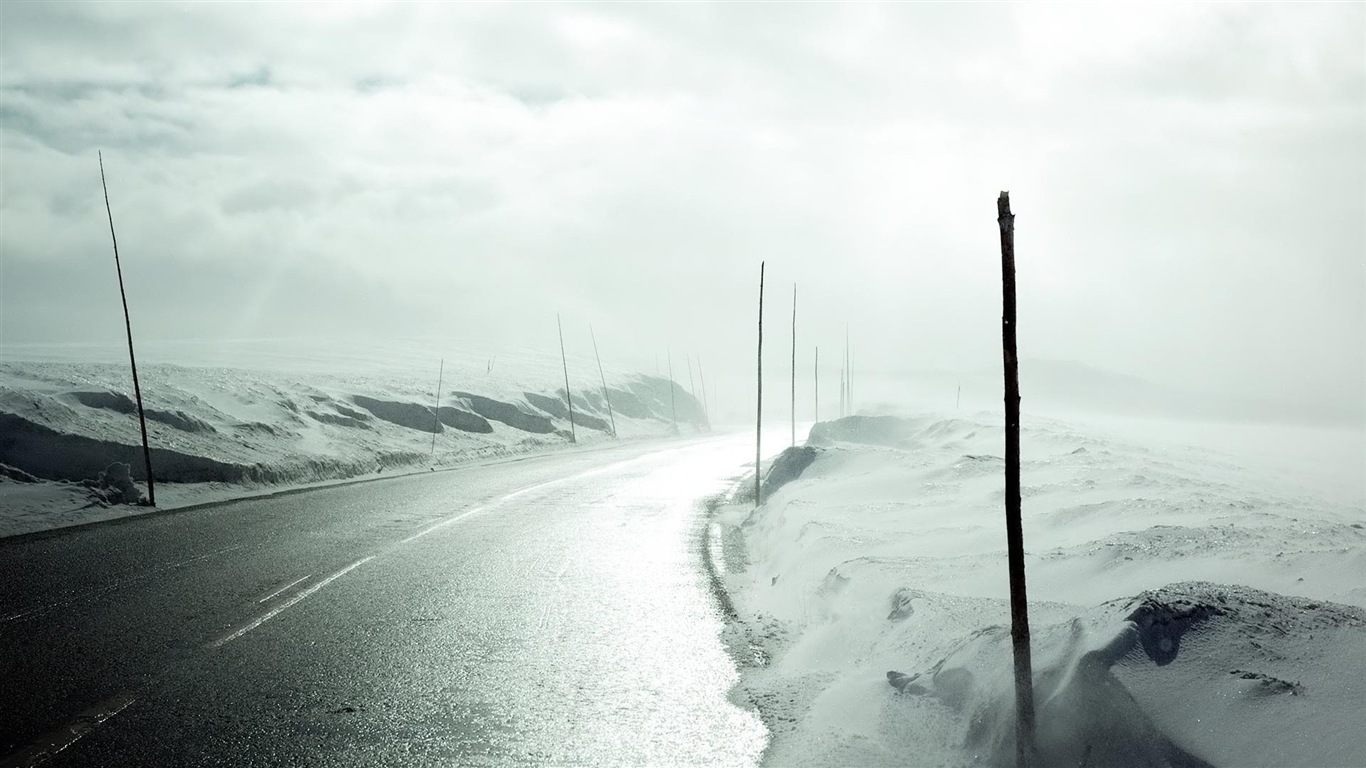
{"points": [[261, 77], [268, 195]]}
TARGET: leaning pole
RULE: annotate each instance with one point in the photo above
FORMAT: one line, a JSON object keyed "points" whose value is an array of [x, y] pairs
{"points": [[759, 379], [132, 361], [568, 396], [794, 365], [606, 396]]}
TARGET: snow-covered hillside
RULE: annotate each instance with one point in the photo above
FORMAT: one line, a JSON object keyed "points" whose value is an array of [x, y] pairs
{"points": [[221, 432], [1189, 606]]}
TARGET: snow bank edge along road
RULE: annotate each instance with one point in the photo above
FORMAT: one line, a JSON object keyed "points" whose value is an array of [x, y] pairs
{"points": [[1163, 632], [219, 433]]}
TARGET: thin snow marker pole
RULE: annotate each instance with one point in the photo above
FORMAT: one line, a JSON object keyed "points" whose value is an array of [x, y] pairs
{"points": [[1025, 753], [958, 401], [816, 383], [568, 397], [759, 418], [128, 326], [605, 395], [794, 365], [436, 409]]}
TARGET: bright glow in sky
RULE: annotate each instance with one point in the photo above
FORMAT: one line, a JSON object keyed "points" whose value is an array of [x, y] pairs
{"points": [[1189, 180]]}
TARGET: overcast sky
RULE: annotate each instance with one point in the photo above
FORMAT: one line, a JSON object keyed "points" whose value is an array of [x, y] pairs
{"points": [[1189, 180]]}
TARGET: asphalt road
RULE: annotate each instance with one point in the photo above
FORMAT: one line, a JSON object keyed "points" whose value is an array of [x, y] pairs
{"points": [[551, 610]]}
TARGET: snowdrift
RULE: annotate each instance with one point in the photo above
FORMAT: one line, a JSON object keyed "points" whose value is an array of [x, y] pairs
{"points": [[226, 430], [1188, 607]]}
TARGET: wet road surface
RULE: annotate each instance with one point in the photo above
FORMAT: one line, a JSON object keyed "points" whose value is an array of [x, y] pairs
{"points": [[551, 610]]}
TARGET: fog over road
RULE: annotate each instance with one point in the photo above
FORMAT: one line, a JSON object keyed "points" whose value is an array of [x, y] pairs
{"points": [[545, 610]]}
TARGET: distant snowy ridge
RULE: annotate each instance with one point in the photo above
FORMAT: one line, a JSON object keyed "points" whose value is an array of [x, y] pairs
{"points": [[68, 422], [872, 625]]}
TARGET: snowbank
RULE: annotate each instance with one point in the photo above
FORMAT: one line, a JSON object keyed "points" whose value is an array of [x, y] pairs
{"points": [[870, 594], [222, 432]]}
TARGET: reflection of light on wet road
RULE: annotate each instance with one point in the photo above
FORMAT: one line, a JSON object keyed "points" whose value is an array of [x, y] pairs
{"points": [[546, 611], [597, 635]]}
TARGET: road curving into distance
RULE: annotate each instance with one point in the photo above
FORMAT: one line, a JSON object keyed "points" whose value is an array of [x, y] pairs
{"points": [[550, 610]]}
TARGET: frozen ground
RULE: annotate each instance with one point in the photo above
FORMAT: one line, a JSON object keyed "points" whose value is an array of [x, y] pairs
{"points": [[1197, 594], [221, 432]]}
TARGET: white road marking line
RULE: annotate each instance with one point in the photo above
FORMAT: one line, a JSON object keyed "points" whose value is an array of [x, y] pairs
{"points": [[500, 500], [277, 592], [48, 745], [443, 524], [276, 611]]}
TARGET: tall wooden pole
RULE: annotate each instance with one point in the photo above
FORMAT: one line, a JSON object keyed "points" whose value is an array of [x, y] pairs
{"points": [[1025, 754], [605, 395], [759, 379], [794, 365], [568, 397], [436, 409], [132, 361]]}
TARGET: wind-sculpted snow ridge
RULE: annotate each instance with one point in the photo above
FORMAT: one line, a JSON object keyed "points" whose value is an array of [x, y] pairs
{"points": [[218, 432], [1195, 674], [872, 625]]}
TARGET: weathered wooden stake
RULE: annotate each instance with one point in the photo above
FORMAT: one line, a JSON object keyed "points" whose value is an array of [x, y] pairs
{"points": [[794, 365], [436, 409], [605, 395], [1025, 753], [128, 326], [568, 397], [759, 418]]}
